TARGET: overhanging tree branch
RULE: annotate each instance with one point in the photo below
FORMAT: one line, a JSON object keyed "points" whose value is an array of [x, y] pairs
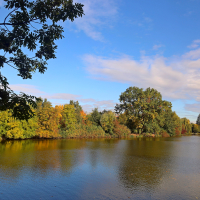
{"points": [[40, 41]]}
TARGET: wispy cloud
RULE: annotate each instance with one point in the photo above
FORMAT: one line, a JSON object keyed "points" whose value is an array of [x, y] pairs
{"points": [[101, 105], [157, 46], [98, 14], [194, 44], [62, 96], [175, 79], [31, 89], [195, 107], [88, 104], [144, 22]]}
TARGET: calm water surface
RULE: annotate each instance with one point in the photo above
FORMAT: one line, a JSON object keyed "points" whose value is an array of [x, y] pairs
{"points": [[161, 168]]}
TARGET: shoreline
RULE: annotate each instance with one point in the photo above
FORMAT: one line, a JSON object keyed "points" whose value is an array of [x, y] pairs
{"points": [[132, 135]]}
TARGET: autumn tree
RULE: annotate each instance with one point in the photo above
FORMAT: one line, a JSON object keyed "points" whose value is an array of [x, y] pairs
{"points": [[83, 117], [12, 128], [121, 130], [48, 120], [32, 26]]}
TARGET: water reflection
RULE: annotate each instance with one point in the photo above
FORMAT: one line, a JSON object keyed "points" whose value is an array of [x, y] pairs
{"points": [[145, 164], [38, 156], [148, 168]]}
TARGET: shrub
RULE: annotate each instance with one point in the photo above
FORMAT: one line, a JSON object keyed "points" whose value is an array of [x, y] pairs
{"points": [[82, 130], [121, 130], [164, 134]]}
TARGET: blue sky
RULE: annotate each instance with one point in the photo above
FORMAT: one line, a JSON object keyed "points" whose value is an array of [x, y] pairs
{"points": [[118, 44]]}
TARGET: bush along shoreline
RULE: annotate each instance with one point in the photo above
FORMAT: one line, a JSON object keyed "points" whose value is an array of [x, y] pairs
{"points": [[140, 113]]}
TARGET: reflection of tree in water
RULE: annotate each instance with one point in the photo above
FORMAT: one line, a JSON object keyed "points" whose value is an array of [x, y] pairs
{"points": [[144, 164], [13, 157], [101, 151], [39, 157]]}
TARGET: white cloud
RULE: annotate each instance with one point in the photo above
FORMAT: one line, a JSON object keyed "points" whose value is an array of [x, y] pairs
{"points": [[105, 104], [101, 105], [194, 44], [195, 107], [63, 96], [31, 89], [175, 79], [87, 100], [193, 54], [98, 13]]}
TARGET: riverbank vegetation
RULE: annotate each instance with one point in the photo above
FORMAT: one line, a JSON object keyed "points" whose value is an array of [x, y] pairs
{"points": [[140, 112]]}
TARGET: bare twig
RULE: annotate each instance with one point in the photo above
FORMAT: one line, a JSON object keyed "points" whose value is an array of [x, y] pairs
{"points": [[17, 24], [10, 65], [7, 17]]}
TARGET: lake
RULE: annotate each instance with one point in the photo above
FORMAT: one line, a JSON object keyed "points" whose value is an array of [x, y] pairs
{"points": [[147, 168]]}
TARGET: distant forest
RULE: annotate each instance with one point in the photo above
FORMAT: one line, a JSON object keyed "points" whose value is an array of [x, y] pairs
{"points": [[141, 112]]}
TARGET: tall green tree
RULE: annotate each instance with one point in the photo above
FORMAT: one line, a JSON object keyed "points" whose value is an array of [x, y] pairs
{"points": [[108, 121], [186, 126], [172, 123], [95, 117], [69, 117], [142, 108], [33, 26], [198, 120], [78, 109]]}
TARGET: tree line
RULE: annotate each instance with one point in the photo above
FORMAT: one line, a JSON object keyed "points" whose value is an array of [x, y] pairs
{"points": [[140, 111]]}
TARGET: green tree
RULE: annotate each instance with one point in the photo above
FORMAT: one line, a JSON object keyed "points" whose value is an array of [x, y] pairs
{"points": [[195, 128], [69, 117], [122, 118], [142, 108], [172, 123], [108, 121], [198, 120], [78, 109], [33, 26], [186, 126], [95, 117]]}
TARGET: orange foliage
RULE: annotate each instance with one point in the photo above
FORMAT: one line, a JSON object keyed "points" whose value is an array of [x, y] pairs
{"points": [[177, 131], [83, 116], [48, 120]]}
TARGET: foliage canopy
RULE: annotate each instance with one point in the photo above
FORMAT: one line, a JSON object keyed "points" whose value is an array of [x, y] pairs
{"points": [[30, 25]]}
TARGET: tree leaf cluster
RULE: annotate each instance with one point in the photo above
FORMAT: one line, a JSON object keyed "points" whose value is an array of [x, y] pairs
{"points": [[30, 26], [144, 111]]}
